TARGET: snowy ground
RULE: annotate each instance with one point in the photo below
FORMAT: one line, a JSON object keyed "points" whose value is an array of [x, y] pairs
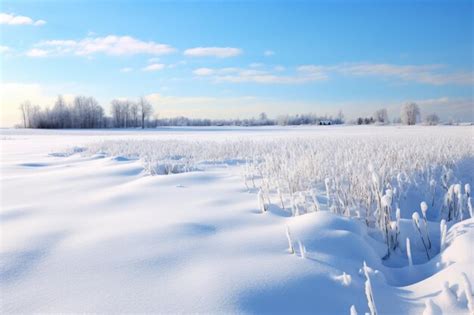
{"points": [[95, 233]]}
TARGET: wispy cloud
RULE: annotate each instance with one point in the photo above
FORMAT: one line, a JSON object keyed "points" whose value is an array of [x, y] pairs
{"points": [[219, 52], [425, 74], [268, 53], [36, 52], [256, 65], [428, 74], [4, 49], [203, 71], [12, 19], [126, 69], [109, 45], [260, 75], [154, 67], [448, 107]]}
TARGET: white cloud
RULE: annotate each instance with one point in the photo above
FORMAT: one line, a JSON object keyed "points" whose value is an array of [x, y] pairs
{"points": [[154, 67], [153, 60], [268, 53], [311, 68], [109, 45], [12, 19], [4, 49], [256, 65], [260, 75], [126, 69], [39, 23], [36, 52], [219, 52], [203, 71], [425, 74]]}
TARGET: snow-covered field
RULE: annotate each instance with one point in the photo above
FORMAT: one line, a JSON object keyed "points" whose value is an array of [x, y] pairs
{"points": [[237, 220]]}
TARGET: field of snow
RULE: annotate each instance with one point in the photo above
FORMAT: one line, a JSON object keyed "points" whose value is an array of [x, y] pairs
{"points": [[289, 220]]}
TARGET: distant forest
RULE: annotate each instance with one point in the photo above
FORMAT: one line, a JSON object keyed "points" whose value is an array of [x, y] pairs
{"points": [[86, 112]]}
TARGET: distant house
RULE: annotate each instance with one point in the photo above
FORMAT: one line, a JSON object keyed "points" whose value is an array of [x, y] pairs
{"points": [[325, 122]]}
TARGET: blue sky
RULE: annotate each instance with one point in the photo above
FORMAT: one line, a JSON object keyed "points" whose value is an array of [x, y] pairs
{"points": [[236, 59]]}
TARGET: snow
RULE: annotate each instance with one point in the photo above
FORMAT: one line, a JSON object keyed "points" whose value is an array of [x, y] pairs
{"points": [[93, 232]]}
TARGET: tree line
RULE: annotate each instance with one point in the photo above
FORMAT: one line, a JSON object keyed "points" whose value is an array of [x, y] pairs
{"points": [[86, 112]]}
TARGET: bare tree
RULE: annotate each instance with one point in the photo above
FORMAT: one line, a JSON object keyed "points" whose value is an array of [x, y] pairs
{"points": [[340, 117], [145, 110], [25, 109], [116, 111], [122, 113], [381, 116], [134, 114], [60, 114], [432, 119], [410, 113], [34, 116]]}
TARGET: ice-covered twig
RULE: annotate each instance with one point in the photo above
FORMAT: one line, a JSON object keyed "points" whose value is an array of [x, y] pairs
{"points": [[424, 209], [416, 223], [443, 230], [410, 259], [290, 241], [468, 291], [369, 292]]}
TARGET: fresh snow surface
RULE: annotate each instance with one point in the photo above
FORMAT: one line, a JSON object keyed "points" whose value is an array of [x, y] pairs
{"points": [[90, 232]]}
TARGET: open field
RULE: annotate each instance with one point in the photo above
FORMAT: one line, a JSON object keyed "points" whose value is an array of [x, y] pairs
{"points": [[238, 220]]}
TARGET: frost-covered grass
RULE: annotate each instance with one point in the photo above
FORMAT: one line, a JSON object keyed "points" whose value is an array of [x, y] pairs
{"points": [[368, 177], [371, 177], [348, 174]]}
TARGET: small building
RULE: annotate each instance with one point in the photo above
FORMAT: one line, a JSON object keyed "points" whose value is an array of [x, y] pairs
{"points": [[325, 122]]}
